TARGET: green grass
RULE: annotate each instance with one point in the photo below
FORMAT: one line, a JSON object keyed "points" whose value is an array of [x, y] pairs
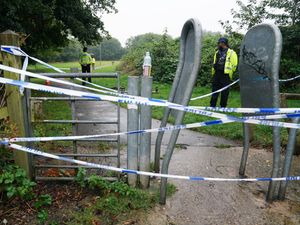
{"points": [[232, 131], [65, 66]]}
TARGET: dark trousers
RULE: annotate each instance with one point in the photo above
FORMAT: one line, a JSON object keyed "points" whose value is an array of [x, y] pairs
{"points": [[86, 69], [220, 80]]}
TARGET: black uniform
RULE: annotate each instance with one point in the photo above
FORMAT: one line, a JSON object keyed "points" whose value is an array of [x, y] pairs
{"points": [[220, 80], [86, 69]]}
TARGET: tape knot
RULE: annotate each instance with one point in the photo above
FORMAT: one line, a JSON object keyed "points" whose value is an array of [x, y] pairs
{"points": [[4, 142]]}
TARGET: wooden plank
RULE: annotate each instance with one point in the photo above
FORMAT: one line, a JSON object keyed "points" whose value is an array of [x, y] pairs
{"points": [[291, 96], [3, 113], [15, 101]]}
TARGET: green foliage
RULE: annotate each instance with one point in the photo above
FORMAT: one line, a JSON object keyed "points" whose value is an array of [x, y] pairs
{"points": [[290, 66], [165, 59], [43, 200], [49, 24], [287, 11], [249, 14], [136, 48], [109, 49], [14, 182], [40, 203], [80, 177], [117, 199], [7, 129], [282, 12], [42, 216], [164, 52]]}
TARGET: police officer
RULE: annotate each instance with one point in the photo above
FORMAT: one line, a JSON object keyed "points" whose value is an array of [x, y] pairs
{"points": [[85, 62], [224, 65]]}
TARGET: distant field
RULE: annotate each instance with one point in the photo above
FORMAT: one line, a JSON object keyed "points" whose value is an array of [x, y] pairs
{"points": [[65, 66], [233, 131]]}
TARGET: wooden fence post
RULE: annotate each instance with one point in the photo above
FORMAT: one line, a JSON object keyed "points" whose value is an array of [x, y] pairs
{"points": [[15, 101]]}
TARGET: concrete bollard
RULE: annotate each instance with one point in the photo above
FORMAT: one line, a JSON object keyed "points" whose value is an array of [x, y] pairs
{"points": [[132, 124], [145, 139]]}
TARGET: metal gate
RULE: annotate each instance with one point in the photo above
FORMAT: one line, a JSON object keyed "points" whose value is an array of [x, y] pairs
{"points": [[37, 168]]}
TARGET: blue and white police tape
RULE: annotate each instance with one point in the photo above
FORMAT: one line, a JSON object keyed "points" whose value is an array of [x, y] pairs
{"points": [[250, 110], [216, 109], [64, 82], [19, 52], [217, 91], [43, 77], [149, 102], [143, 173], [239, 110], [290, 79], [153, 130]]}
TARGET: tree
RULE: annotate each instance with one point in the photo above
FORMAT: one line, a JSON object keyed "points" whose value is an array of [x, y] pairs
{"points": [[249, 14], [165, 54], [136, 48], [50, 23], [286, 14], [287, 11], [282, 12], [110, 49]]}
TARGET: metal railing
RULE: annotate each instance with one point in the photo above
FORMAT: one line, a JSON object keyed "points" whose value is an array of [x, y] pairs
{"points": [[75, 122]]}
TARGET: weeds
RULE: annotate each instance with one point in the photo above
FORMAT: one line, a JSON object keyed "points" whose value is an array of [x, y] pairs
{"points": [[115, 202]]}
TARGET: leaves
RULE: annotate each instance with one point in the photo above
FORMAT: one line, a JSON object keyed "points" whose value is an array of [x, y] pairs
{"points": [[42, 216], [282, 12], [43, 200], [14, 182], [49, 24]]}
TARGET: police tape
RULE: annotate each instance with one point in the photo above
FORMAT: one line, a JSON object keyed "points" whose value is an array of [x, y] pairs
{"points": [[149, 102], [238, 110], [153, 130], [43, 77], [216, 109], [290, 79], [250, 110], [19, 52], [212, 93], [64, 82], [144, 173]]}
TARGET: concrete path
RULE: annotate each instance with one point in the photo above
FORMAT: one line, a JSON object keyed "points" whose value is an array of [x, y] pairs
{"points": [[208, 202]]}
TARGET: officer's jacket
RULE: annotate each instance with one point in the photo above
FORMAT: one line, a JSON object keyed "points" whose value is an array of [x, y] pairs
{"points": [[230, 63]]}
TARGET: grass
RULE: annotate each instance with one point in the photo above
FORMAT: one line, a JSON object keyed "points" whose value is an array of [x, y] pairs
{"points": [[232, 131], [65, 66], [115, 202]]}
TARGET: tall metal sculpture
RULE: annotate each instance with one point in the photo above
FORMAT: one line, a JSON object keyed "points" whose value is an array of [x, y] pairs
{"points": [[259, 85], [184, 81]]}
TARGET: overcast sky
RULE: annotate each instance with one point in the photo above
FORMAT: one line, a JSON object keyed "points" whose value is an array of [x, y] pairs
{"points": [[143, 16]]}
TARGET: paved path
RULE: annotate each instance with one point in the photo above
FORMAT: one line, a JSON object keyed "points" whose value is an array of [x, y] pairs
{"points": [[208, 202]]}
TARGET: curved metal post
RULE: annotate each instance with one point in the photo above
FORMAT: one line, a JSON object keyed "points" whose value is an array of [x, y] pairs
{"points": [[288, 160], [186, 76]]}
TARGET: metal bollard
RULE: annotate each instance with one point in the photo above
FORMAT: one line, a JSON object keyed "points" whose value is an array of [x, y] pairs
{"points": [[145, 139], [288, 160], [246, 145], [132, 124]]}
